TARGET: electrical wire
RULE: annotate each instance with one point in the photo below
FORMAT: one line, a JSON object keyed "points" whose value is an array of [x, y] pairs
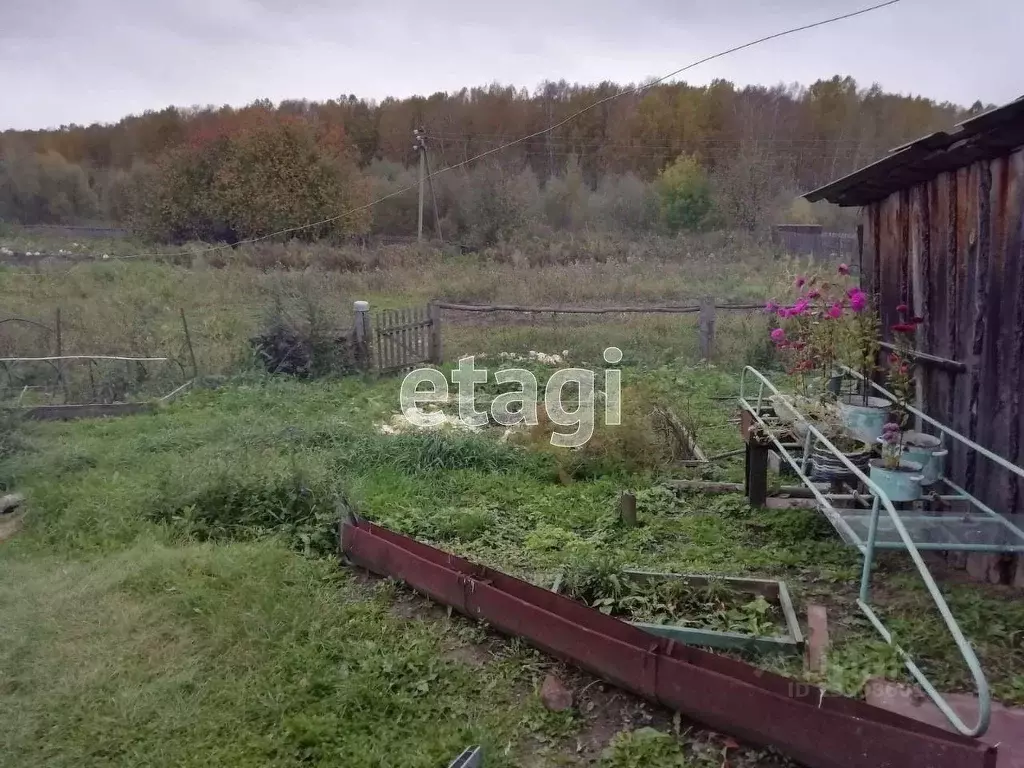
{"points": [[535, 134]]}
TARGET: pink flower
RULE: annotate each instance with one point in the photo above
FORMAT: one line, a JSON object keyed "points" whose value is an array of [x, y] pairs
{"points": [[783, 312], [800, 307], [778, 335], [858, 300], [771, 307], [844, 269], [835, 311], [799, 282]]}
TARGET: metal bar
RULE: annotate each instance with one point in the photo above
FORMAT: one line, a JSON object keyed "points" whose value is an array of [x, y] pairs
{"points": [[982, 506], [869, 552], [966, 651], [945, 546], [924, 357], [818, 729], [933, 694], [471, 757]]}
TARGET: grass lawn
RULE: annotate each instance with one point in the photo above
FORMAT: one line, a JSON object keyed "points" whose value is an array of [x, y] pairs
{"points": [[172, 599], [173, 596]]}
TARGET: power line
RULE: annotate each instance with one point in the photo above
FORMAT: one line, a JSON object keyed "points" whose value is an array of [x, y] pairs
{"points": [[542, 131]]}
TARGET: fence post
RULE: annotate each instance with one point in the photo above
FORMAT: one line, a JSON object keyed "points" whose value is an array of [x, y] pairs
{"points": [[188, 343], [436, 351], [361, 331], [61, 381], [707, 327]]}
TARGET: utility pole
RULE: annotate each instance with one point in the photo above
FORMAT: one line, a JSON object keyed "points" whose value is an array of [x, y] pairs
{"points": [[420, 146], [420, 138]]}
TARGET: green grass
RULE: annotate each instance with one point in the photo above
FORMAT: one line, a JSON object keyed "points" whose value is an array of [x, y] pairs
{"points": [[173, 599], [238, 654]]}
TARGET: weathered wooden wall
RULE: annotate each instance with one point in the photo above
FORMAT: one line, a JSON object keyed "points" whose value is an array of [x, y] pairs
{"points": [[953, 249]]}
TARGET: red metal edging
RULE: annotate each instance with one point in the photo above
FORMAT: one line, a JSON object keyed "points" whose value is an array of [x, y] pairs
{"points": [[818, 729]]}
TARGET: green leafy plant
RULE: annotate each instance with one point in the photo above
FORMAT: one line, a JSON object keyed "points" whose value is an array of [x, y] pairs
{"points": [[643, 748], [716, 606]]}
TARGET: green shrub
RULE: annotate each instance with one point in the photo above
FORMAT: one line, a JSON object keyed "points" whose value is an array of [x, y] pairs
{"points": [[685, 195]]}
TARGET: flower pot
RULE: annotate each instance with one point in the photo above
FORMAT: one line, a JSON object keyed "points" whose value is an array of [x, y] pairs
{"points": [[828, 467], [933, 462], [927, 451], [864, 422], [898, 484], [921, 441]]}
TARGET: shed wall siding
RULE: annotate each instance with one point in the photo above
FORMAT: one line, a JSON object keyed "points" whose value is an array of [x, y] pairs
{"points": [[953, 249]]}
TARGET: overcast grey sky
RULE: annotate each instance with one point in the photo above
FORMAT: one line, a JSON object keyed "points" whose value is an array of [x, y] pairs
{"points": [[83, 61]]}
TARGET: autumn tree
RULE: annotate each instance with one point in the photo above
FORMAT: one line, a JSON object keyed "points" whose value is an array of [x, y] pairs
{"points": [[37, 188], [259, 179]]}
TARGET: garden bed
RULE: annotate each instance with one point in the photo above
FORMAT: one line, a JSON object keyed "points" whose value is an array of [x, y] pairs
{"points": [[718, 612]]}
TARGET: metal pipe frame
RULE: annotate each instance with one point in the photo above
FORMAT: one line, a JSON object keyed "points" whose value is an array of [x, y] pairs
{"points": [[881, 501], [965, 495]]}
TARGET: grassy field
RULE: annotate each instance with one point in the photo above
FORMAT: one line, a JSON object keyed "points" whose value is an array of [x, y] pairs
{"points": [[172, 597]]}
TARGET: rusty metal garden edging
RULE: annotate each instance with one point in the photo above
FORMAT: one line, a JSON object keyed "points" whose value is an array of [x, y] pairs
{"points": [[819, 729]]}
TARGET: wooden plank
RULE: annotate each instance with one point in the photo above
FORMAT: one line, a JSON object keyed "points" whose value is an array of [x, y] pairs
{"points": [[817, 638], [591, 310], [934, 361], [86, 411], [706, 322]]}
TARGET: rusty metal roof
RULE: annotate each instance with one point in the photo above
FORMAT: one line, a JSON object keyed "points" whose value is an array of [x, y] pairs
{"points": [[990, 134]]}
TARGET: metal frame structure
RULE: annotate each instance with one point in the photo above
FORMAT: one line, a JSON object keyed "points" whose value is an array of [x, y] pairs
{"points": [[880, 501], [790, 641]]}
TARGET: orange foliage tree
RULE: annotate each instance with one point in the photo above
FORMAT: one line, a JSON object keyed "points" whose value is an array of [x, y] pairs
{"points": [[253, 175]]}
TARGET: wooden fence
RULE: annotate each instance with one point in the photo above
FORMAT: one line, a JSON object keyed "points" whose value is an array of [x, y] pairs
{"points": [[397, 339], [706, 313]]}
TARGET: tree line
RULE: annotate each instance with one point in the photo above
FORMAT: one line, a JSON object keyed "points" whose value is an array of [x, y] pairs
{"points": [[673, 156]]}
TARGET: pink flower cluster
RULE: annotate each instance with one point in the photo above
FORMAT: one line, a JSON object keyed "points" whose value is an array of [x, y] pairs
{"points": [[891, 433], [814, 300]]}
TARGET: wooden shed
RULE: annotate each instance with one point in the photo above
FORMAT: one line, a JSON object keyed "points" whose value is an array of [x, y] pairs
{"points": [[943, 232]]}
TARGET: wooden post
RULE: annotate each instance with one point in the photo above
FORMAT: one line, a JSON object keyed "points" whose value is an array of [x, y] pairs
{"points": [[436, 350], [627, 509], [816, 650], [188, 342], [433, 197], [706, 321], [361, 332], [756, 480], [60, 352], [423, 177]]}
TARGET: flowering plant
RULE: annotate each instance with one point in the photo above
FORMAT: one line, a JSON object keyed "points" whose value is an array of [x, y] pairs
{"points": [[900, 375], [824, 321], [892, 445]]}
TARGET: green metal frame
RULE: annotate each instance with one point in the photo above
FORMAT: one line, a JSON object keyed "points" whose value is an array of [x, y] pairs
{"points": [[881, 501], [790, 642]]}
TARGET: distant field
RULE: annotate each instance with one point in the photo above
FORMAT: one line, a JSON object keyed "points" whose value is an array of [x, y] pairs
{"points": [[130, 305]]}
